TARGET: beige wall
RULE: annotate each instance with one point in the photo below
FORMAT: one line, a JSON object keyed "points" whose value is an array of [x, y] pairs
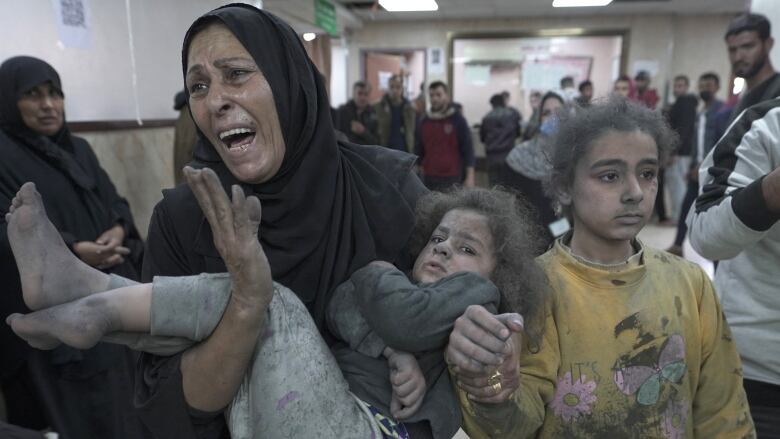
{"points": [[699, 47], [689, 45], [140, 163], [98, 81]]}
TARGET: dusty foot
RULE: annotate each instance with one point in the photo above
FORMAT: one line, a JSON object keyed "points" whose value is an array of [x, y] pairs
{"points": [[80, 324], [51, 274]]}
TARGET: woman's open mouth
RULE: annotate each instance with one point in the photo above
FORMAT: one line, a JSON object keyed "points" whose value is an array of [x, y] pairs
{"points": [[237, 139]]}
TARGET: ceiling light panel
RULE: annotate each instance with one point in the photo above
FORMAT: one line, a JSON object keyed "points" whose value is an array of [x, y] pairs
{"points": [[579, 3], [409, 5]]}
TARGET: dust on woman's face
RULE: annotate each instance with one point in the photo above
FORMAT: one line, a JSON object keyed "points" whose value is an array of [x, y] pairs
{"points": [[233, 105]]}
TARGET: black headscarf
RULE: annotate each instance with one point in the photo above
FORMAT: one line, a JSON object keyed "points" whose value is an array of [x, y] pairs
{"points": [[328, 210], [17, 76]]}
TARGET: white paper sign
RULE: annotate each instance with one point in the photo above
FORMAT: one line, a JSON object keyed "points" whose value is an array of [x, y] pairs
{"points": [[73, 23], [384, 79], [435, 61], [648, 65], [478, 75]]}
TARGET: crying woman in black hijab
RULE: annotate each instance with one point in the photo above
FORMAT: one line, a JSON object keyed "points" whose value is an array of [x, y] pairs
{"points": [[328, 209]]}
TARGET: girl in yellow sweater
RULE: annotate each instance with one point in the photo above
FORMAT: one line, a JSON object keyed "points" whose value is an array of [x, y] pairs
{"points": [[635, 343]]}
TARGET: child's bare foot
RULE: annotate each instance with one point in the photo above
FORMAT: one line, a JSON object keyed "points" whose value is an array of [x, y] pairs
{"points": [[235, 225], [80, 324], [51, 274]]}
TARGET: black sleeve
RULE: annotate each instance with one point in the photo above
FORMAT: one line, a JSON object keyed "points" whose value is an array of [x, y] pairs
{"points": [[464, 140], [159, 397], [119, 206], [165, 254], [346, 322], [159, 401], [9, 431], [687, 121], [344, 120]]}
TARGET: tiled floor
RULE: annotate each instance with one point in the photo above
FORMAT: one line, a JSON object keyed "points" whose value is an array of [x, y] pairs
{"points": [[658, 237]]}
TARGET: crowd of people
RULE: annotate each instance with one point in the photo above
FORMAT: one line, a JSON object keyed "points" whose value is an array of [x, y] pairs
{"points": [[340, 274]]}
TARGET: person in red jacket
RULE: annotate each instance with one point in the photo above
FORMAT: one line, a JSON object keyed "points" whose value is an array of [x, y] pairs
{"points": [[643, 93], [443, 143]]}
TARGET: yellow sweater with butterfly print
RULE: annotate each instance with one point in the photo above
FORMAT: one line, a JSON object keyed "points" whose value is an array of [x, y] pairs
{"points": [[638, 352]]}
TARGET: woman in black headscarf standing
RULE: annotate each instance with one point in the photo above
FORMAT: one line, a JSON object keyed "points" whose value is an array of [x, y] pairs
{"points": [[328, 207], [527, 165], [77, 393]]}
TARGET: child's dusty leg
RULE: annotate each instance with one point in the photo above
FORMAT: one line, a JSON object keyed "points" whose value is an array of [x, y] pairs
{"points": [[83, 322], [190, 306], [295, 387], [184, 310], [50, 273]]}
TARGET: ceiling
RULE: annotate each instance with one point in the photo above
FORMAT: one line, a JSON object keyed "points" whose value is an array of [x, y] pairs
{"points": [[368, 11]]}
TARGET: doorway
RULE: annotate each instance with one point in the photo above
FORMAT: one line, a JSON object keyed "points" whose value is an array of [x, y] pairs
{"points": [[380, 64]]}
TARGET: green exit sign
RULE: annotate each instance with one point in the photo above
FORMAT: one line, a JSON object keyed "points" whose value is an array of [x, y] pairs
{"points": [[325, 16]]}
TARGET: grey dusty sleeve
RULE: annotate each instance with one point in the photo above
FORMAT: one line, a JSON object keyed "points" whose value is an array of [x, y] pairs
{"points": [[416, 318], [347, 323], [184, 311]]}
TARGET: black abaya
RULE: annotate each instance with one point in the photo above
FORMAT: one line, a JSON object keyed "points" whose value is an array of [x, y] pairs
{"points": [[79, 394]]}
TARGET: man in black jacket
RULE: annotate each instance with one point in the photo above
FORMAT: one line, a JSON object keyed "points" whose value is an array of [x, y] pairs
{"points": [[498, 131], [357, 118], [682, 117]]}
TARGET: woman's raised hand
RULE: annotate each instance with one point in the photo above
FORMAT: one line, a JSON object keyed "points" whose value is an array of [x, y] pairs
{"points": [[235, 225]]}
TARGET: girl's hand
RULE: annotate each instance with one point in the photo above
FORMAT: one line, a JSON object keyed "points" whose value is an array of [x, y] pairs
{"points": [[408, 384]]}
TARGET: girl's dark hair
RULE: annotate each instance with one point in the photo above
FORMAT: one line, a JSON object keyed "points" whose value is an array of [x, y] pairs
{"points": [[577, 132], [521, 281]]}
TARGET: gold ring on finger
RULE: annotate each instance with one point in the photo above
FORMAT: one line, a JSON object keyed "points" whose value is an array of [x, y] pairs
{"points": [[497, 387], [495, 378]]}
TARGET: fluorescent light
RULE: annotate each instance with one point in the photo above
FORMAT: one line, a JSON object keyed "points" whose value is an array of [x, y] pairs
{"points": [[579, 3], [409, 5], [308, 36]]}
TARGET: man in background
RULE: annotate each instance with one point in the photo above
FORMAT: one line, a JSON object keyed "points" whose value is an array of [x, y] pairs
{"points": [[643, 93], [622, 86], [396, 117], [736, 221], [498, 131], [682, 118], [749, 42], [532, 126], [568, 92], [586, 93], [443, 143], [704, 139], [356, 118], [507, 98]]}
